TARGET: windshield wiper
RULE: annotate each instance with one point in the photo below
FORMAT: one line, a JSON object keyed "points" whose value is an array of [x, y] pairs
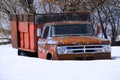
{"points": [[62, 35]]}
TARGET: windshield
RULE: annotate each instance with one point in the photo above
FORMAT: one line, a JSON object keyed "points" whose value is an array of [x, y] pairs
{"points": [[74, 29]]}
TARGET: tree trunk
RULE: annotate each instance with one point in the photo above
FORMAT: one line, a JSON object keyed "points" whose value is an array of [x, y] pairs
{"points": [[101, 23]]}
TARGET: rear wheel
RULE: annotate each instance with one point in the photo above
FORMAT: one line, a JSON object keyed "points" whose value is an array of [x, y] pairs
{"points": [[29, 54], [22, 53]]}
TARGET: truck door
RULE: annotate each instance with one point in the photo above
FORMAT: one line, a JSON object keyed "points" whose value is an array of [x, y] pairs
{"points": [[44, 36], [42, 47]]}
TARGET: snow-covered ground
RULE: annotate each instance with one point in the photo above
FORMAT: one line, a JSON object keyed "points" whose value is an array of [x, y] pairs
{"points": [[14, 67]]}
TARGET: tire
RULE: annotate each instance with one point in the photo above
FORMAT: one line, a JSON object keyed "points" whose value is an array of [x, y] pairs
{"points": [[49, 57], [22, 53]]}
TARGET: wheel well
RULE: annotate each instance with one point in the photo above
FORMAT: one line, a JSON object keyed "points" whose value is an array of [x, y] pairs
{"points": [[49, 56]]}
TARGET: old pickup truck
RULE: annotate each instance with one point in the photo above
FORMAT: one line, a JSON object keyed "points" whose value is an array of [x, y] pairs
{"points": [[58, 36]]}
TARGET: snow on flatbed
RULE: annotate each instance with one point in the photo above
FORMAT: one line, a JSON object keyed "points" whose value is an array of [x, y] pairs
{"points": [[14, 67]]}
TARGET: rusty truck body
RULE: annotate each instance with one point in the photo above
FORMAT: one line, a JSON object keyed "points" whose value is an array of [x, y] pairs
{"points": [[58, 36]]}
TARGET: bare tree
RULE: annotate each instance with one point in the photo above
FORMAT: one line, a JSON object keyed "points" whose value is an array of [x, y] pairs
{"points": [[12, 7], [106, 13], [109, 19]]}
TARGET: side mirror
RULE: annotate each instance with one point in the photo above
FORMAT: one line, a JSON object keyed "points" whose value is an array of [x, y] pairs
{"points": [[38, 32]]}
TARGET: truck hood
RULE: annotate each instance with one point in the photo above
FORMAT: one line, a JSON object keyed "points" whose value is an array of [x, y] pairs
{"points": [[83, 40]]}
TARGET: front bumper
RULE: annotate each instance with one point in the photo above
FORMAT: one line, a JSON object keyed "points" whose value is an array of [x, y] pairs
{"points": [[85, 56]]}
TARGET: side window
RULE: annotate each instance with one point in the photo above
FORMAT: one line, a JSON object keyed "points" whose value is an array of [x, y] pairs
{"points": [[46, 31]]}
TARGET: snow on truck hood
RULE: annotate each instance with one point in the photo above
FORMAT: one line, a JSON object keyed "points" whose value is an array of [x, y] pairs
{"points": [[83, 40]]}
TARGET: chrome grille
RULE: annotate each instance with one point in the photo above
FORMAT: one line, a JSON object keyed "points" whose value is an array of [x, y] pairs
{"points": [[83, 49]]}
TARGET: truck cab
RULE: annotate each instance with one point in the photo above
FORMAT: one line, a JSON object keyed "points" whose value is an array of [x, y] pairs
{"points": [[71, 40]]}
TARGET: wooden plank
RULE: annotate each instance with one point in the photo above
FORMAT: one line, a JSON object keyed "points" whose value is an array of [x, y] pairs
{"points": [[32, 36], [23, 26], [14, 34], [21, 40], [26, 40]]}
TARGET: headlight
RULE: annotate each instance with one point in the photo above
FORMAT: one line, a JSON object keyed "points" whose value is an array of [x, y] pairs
{"points": [[106, 48], [61, 50]]}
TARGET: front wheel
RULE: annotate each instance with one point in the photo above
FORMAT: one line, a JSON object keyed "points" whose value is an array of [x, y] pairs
{"points": [[49, 56]]}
